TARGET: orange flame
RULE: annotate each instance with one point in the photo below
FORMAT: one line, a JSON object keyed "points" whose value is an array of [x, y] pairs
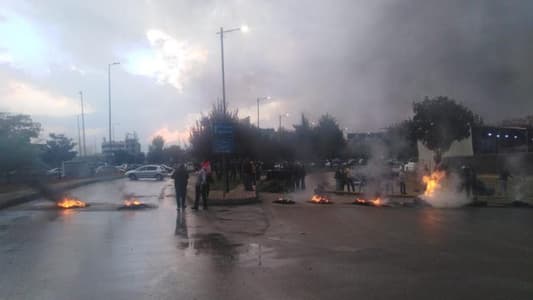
{"points": [[133, 202], [377, 201], [433, 182], [71, 203], [320, 199]]}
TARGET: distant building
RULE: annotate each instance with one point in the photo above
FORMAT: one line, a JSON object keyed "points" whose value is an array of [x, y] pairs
{"points": [[130, 144], [358, 137], [525, 122], [484, 140]]}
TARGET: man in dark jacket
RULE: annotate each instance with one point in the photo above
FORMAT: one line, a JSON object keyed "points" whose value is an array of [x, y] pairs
{"points": [[181, 178]]}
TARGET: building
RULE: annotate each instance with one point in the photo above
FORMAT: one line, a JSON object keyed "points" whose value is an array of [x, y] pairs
{"points": [[130, 144], [359, 137], [488, 148], [525, 122]]}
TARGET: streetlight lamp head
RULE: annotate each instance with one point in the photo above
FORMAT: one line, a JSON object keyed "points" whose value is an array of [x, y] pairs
{"points": [[115, 63], [245, 28]]}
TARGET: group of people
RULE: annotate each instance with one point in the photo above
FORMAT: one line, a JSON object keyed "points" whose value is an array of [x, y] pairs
{"points": [[181, 178], [345, 179], [294, 174]]}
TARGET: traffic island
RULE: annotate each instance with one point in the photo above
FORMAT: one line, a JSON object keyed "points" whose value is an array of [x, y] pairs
{"points": [[236, 196]]}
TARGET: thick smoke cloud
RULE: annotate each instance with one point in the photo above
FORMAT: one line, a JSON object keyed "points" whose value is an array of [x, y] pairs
{"points": [[362, 61]]}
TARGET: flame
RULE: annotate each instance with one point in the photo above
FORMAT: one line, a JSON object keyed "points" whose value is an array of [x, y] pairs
{"points": [[134, 202], [71, 203], [320, 199], [376, 202], [433, 182]]}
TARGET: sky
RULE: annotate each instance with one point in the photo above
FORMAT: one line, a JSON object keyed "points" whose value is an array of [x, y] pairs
{"points": [[363, 62]]}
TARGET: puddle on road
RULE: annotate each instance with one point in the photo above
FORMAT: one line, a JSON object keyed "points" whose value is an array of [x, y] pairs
{"points": [[225, 250]]}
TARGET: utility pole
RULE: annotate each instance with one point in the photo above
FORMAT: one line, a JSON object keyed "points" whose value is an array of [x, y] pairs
{"points": [[221, 33], [279, 128], [109, 103], [109, 98], [79, 135], [83, 125]]}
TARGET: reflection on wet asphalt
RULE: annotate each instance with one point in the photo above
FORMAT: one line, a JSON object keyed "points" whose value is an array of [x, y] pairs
{"points": [[267, 251]]}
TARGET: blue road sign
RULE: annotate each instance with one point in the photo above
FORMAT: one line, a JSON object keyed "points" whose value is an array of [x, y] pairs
{"points": [[223, 138]]}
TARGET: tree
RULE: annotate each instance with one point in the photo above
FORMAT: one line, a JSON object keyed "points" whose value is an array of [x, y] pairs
{"points": [[155, 151], [173, 154], [58, 149], [328, 138], [303, 134], [123, 157], [16, 150], [400, 140], [440, 121], [201, 138]]}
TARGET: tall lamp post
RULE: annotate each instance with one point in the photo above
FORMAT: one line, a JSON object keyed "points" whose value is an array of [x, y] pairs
{"points": [[221, 33], [84, 153], [79, 136], [109, 98], [243, 28], [259, 99], [279, 128]]}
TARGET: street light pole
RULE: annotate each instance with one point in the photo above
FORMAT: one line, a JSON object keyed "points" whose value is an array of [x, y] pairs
{"points": [[258, 100], [79, 135], [221, 33], [83, 125], [109, 98], [279, 128]]}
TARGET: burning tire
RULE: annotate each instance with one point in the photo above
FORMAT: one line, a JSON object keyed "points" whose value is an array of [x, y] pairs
{"points": [[320, 199], [134, 204], [282, 200]]}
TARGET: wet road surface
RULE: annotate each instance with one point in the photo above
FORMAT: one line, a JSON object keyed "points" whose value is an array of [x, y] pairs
{"points": [[267, 251]]}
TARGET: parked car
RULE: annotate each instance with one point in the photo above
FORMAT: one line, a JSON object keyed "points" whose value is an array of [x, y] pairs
{"points": [[167, 168], [148, 171], [410, 166], [55, 172]]}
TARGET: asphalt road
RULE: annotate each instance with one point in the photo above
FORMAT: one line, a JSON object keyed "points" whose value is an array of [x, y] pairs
{"points": [[268, 251]]}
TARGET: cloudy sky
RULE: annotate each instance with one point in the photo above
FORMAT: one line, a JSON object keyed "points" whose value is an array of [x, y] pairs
{"points": [[364, 62]]}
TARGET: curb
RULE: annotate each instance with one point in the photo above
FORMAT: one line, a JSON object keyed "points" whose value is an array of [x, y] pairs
{"points": [[228, 201], [35, 195]]}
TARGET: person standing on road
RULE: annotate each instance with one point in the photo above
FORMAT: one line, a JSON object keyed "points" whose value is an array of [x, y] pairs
{"points": [[201, 188], [350, 185], [303, 173], [181, 177], [339, 179], [504, 177], [401, 177]]}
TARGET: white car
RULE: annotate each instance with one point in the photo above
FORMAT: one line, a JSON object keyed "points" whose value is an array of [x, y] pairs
{"points": [[148, 171], [410, 166]]}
